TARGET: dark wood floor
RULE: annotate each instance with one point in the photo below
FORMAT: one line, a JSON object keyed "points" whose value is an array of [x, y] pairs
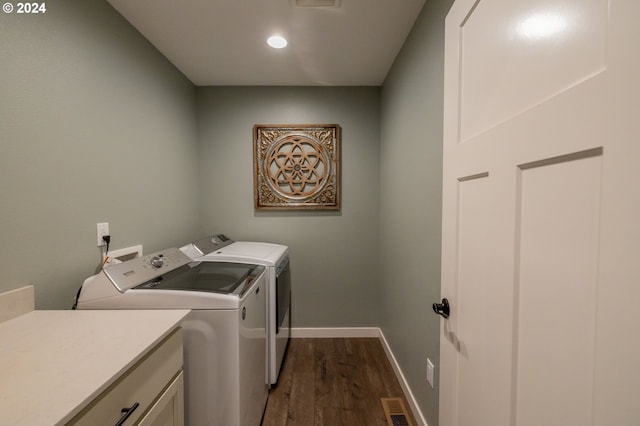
{"points": [[332, 382]]}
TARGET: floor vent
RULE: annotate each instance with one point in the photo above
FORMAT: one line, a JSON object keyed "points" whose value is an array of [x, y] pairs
{"points": [[396, 412]]}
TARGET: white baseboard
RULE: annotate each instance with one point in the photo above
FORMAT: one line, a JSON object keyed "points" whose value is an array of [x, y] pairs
{"points": [[413, 405], [344, 332]]}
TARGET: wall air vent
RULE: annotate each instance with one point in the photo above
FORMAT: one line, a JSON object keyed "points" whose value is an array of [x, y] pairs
{"points": [[317, 3]]}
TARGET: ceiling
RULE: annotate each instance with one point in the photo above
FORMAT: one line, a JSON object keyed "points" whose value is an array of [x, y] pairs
{"points": [[223, 42]]}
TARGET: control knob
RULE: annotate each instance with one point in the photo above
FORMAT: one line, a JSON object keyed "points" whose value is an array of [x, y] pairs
{"points": [[157, 261]]}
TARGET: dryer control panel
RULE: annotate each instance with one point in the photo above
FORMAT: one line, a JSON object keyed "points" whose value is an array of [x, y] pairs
{"points": [[141, 269], [212, 243]]}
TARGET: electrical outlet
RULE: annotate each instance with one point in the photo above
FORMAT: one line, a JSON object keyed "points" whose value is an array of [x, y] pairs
{"points": [[430, 372], [102, 230]]}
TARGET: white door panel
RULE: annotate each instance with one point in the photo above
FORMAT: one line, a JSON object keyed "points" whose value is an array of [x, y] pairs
{"points": [[556, 283], [541, 228], [479, 362], [507, 46]]}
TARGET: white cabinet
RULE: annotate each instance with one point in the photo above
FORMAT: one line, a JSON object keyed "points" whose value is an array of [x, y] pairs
{"points": [[149, 393], [83, 367]]}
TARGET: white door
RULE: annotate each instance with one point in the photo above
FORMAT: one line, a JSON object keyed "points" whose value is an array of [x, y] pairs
{"points": [[541, 214]]}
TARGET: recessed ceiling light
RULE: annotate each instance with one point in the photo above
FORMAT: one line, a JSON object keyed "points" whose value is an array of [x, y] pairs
{"points": [[277, 42]]}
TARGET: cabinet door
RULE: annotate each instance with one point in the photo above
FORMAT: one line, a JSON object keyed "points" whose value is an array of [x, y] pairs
{"points": [[138, 388], [168, 410]]}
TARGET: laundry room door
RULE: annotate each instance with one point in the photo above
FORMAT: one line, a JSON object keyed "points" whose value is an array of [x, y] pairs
{"points": [[541, 213]]}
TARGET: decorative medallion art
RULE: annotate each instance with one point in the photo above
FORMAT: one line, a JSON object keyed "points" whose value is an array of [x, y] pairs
{"points": [[296, 167]]}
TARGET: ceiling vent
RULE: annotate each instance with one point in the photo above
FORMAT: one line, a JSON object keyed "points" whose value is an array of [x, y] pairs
{"points": [[317, 3]]}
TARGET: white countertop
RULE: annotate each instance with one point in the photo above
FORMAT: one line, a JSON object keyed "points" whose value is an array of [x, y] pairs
{"points": [[53, 363]]}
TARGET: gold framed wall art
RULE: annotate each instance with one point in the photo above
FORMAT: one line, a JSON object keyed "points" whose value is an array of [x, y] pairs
{"points": [[296, 167]]}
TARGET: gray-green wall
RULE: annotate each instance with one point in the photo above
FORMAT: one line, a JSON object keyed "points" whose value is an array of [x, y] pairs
{"points": [[95, 126], [410, 212], [334, 255]]}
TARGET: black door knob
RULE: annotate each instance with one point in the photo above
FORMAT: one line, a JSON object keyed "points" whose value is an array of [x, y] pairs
{"points": [[442, 308]]}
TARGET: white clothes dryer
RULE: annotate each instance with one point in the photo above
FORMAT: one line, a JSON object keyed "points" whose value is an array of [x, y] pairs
{"points": [[224, 334], [275, 257]]}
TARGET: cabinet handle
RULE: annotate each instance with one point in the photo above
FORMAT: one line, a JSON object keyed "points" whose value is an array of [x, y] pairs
{"points": [[126, 412]]}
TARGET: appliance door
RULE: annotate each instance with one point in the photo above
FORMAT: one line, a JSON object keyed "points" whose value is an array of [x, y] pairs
{"points": [[279, 341], [283, 294], [216, 277]]}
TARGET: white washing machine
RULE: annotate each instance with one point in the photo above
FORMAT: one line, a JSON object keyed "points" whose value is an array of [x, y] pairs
{"points": [[275, 257], [224, 334]]}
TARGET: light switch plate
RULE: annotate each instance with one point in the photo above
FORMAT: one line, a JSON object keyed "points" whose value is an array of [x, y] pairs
{"points": [[430, 372]]}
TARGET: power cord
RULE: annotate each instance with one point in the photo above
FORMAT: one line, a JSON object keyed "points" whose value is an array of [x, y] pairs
{"points": [[107, 240]]}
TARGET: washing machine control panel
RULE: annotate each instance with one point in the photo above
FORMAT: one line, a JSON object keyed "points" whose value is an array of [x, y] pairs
{"points": [[136, 271], [157, 261]]}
